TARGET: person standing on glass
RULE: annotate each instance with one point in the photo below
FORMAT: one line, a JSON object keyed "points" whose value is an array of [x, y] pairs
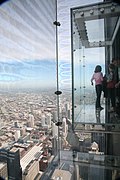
{"points": [[116, 62], [98, 78], [111, 81]]}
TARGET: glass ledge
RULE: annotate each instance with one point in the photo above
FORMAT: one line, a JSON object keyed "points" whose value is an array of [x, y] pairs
{"points": [[70, 161], [95, 158], [95, 127]]}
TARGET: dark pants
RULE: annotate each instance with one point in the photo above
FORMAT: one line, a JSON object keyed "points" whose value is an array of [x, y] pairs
{"points": [[111, 96], [98, 94], [117, 90], [117, 93]]}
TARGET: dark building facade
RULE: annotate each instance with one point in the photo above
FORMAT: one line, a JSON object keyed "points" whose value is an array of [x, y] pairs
{"points": [[13, 163]]}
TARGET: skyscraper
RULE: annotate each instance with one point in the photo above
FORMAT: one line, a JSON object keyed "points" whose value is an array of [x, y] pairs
{"points": [[12, 157], [14, 168]]}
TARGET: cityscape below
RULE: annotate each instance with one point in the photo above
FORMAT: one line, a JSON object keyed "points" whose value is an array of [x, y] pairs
{"points": [[55, 123], [31, 137]]}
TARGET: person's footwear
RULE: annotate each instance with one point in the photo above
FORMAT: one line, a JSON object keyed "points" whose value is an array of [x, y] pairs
{"points": [[99, 109]]}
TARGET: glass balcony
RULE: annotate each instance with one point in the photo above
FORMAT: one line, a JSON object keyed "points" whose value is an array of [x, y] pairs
{"points": [[92, 40]]}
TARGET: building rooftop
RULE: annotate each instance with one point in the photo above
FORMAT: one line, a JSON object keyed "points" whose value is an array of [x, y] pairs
{"points": [[2, 165], [34, 153]]}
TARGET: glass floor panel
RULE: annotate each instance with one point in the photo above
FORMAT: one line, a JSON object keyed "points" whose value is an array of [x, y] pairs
{"points": [[89, 114]]}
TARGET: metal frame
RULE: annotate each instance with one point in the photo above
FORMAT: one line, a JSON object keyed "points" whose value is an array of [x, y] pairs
{"points": [[87, 13]]}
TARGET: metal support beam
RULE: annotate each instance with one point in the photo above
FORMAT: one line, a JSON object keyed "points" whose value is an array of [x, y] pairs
{"points": [[99, 44], [80, 24], [99, 11], [116, 30], [87, 13]]}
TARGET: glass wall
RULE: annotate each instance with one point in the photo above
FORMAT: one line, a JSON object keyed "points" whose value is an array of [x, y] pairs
{"points": [[94, 31], [92, 46], [28, 81], [27, 45]]}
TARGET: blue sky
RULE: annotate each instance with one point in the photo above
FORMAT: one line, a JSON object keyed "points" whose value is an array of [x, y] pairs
{"points": [[27, 44], [32, 73], [27, 48]]}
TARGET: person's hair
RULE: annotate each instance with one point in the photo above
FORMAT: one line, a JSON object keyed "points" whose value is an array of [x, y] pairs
{"points": [[116, 61], [113, 60], [111, 66], [98, 68]]}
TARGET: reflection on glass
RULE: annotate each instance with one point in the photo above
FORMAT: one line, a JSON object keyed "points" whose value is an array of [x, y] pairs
{"points": [[92, 39], [27, 86]]}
